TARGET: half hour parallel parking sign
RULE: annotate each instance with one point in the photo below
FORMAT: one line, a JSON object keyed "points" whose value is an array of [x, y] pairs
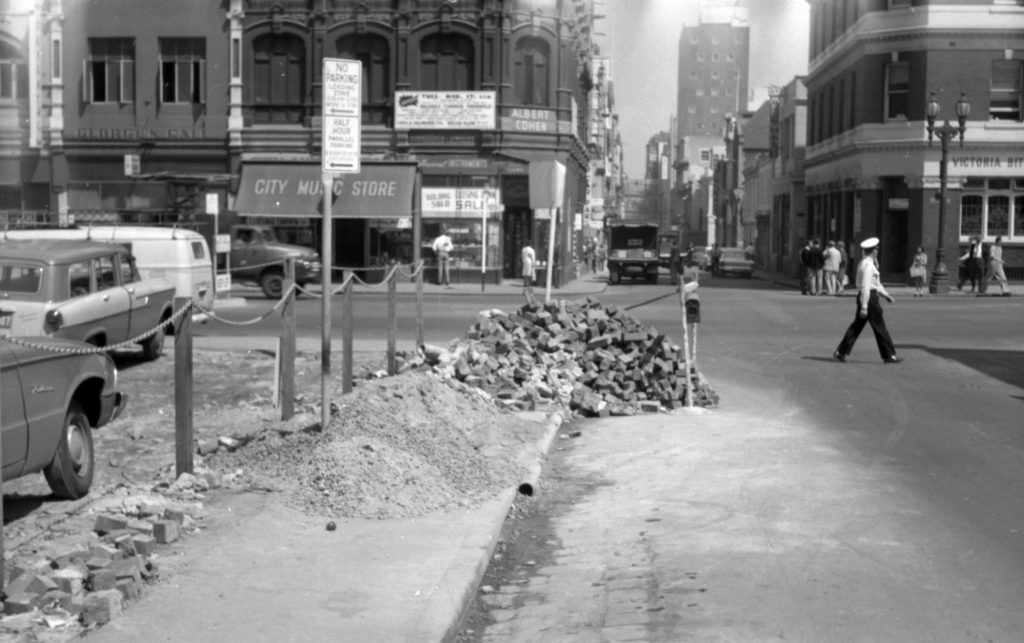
{"points": [[342, 115]]}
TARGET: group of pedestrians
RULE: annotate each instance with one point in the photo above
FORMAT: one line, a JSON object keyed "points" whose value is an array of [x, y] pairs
{"points": [[981, 264], [823, 269]]}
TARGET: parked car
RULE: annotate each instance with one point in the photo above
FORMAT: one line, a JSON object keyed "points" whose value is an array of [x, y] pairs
{"points": [[734, 261], [52, 401], [177, 255], [257, 256], [81, 290]]}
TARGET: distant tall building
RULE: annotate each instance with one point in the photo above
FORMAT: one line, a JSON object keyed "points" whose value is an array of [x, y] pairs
{"points": [[713, 83]]}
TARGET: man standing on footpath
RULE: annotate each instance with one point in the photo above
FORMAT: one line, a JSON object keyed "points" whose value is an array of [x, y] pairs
{"points": [[869, 309], [817, 268], [442, 248]]}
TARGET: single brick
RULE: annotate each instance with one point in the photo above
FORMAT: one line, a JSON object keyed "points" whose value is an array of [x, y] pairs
{"points": [[129, 589], [100, 607], [177, 515], [70, 580], [102, 579], [98, 562], [41, 585], [19, 603], [165, 531], [141, 526], [144, 544], [128, 568], [106, 523]]}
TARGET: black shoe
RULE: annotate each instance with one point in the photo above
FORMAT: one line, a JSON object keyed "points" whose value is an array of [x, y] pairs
{"points": [[839, 357], [893, 360]]}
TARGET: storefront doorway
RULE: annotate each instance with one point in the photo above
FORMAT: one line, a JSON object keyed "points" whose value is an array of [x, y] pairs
{"points": [[517, 230]]}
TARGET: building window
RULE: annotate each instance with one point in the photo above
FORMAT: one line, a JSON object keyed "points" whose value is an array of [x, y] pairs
{"points": [[531, 69], [109, 74], [278, 79], [897, 85], [1005, 100], [446, 64], [995, 208], [374, 55], [182, 70]]}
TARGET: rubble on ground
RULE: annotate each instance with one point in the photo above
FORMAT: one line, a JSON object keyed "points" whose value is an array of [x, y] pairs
{"points": [[596, 360], [65, 589]]}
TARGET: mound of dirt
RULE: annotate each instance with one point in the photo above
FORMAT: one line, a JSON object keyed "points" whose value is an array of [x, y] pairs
{"points": [[397, 447]]}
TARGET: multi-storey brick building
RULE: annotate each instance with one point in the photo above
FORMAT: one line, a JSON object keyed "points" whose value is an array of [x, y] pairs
{"points": [[148, 114], [713, 84], [870, 170]]}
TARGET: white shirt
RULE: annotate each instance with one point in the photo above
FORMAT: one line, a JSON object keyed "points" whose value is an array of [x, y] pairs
{"points": [[868, 279], [443, 244]]}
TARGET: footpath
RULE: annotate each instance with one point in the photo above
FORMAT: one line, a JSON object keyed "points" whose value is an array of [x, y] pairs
{"points": [[262, 572]]}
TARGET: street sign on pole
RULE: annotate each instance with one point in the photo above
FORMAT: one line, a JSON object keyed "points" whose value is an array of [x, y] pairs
{"points": [[342, 113], [340, 143]]}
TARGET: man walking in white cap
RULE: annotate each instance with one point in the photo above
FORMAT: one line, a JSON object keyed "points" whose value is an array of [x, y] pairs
{"points": [[869, 309]]}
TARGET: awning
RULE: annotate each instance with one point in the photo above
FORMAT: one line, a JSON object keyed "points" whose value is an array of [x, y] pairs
{"points": [[379, 191]]}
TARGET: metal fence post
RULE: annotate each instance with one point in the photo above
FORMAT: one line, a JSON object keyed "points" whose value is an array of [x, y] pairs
{"points": [[286, 381]]}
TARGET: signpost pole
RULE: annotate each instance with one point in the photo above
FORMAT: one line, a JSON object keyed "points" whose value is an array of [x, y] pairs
{"points": [[552, 223], [483, 245], [340, 151], [326, 235]]}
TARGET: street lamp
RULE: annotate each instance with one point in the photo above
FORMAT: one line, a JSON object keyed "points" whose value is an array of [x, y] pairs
{"points": [[939, 283]]}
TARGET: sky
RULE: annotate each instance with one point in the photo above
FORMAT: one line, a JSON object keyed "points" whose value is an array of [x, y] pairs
{"points": [[643, 44]]}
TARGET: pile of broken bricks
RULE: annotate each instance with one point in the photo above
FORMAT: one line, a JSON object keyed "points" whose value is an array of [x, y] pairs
{"points": [[88, 584], [598, 360]]}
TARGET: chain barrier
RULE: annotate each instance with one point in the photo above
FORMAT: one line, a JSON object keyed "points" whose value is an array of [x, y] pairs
{"points": [[173, 319], [417, 268], [248, 322]]}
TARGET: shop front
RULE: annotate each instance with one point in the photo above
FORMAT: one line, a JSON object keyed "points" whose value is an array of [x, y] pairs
{"points": [[372, 211]]}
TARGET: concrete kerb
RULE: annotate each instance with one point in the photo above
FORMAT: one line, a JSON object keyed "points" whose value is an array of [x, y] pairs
{"points": [[440, 603]]}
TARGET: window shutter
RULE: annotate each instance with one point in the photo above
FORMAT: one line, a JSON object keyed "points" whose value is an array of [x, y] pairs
{"points": [[200, 68], [86, 81], [160, 80], [127, 81]]}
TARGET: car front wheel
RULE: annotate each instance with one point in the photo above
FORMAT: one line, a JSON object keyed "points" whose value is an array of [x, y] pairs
{"points": [[272, 284], [70, 473]]}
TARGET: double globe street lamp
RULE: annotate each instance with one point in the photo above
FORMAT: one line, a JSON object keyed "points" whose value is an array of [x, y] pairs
{"points": [[939, 283]]}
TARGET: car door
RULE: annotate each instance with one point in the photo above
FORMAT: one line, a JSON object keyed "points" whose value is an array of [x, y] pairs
{"points": [[146, 296], [98, 303], [12, 414]]}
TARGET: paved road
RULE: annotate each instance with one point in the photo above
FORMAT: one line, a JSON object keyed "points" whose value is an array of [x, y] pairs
{"points": [[821, 502]]}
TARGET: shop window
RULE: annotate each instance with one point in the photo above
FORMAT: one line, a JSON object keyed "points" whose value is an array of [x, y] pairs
{"points": [[970, 215], [446, 63], [13, 76], [1018, 218], [109, 71], [897, 84], [182, 70], [278, 79], [1005, 100], [532, 64], [374, 54], [998, 216]]}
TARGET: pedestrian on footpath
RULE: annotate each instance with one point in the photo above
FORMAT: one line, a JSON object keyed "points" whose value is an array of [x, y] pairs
{"points": [[529, 265], [995, 263], [832, 259], [919, 271], [869, 309], [817, 268], [973, 265], [443, 248], [806, 275]]}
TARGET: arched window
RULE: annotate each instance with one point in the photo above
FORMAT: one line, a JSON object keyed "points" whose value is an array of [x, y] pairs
{"points": [[532, 65], [446, 63], [278, 79], [375, 55]]}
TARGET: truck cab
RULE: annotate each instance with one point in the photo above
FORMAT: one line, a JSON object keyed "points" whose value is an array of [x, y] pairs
{"points": [[258, 257], [632, 251]]}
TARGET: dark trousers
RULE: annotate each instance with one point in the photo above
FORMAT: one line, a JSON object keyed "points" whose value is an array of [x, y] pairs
{"points": [[974, 271], [877, 321]]}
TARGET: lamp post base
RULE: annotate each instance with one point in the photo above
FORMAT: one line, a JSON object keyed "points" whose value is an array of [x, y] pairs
{"points": [[939, 283]]}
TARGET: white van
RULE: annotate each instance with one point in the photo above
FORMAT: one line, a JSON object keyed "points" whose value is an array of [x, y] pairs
{"points": [[182, 257]]}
